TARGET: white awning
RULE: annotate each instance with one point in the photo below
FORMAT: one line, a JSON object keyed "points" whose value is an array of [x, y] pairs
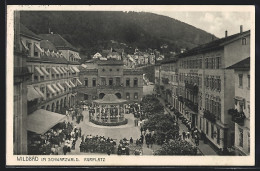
{"points": [[60, 71], [24, 45], [51, 89], [79, 82], [40, 121], [60, 86], [67, 84], [56, 88], [32, 93], [73, 85], [75, 69], [38, 47], [72, 70], [45, 71], [38, 71], [63, 69], [39, 91], [55, 70]]}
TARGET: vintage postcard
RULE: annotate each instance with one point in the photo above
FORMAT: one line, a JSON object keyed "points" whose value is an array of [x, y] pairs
{"points": [[130, 85]]}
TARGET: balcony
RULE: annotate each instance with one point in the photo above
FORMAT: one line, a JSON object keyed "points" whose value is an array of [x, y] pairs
{"points": [[192, 87], [192, 106], [237, 117], [209, 116]]}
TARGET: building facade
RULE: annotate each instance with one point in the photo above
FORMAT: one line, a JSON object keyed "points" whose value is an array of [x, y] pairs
{"points": [[110, 77], [241, 111]]}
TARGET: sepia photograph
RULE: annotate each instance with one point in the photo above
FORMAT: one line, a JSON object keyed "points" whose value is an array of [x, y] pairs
{"points": [[130, 85]]}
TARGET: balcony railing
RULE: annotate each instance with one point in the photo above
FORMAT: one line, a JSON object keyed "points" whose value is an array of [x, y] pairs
{"points": [[209, 116], [192, 106], [237, 117]]}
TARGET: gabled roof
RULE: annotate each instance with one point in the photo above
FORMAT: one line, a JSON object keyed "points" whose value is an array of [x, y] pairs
{"points": [[46, 44], [244, 64], [216, 44], [26, 32], [58, 41]]}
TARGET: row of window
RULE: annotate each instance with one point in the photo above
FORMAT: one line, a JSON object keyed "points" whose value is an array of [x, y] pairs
{"points": [[210, 63], [110, 82], [213, 133], [214, 106], [240, 77], [104, 70], [88, 97], [213, 83], [241, 139]]}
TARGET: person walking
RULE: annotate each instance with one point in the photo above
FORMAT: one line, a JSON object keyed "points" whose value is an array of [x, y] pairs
{"points": [[188, 134], [183, 135]]}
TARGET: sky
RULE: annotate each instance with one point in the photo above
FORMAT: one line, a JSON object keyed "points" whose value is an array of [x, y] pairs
{"points": [[213, 22]]}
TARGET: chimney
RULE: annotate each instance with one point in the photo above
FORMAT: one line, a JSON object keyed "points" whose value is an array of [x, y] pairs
{"points": [[226, 33], [241, 28]]}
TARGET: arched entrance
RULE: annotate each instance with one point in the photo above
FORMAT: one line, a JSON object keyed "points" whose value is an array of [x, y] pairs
{"points": [[53, 107], [101, 95], [48, 107], [118, 95]]}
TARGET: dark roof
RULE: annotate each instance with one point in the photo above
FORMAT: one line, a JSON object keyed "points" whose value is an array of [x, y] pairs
{"points": [[58, 41], [110, 62], [170, 60], [48, 59], [25, 31], [213, 45], [244, 64], [46, 44]]}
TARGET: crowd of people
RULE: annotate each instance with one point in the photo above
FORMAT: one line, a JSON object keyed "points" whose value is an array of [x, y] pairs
{"points": [[50, 142], [75, 113], [97, 144]]}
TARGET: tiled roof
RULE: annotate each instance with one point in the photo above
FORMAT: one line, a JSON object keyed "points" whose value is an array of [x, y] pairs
{"points": [[25, 31], [211, 45], [244, 64], [58, 41], [45, 44]]}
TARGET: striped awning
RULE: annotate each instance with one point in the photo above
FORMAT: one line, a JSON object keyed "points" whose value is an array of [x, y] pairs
{"points": [[67, 84], [55, 70], [45, 71], [72, 70], [24, 45], [51, 89], [56, 88], [60, 71], [71, 83], [38, 71], [32, 93], [75, 69], [79, 82], [63, 69], [39, 91], [38, 47], [60, 86]]}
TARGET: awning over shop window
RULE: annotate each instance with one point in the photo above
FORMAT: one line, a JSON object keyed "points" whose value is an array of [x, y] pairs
{"points": [[38, 71], [67, 84], [38, 47], [72, 70], [32, 93], [79, 82], [24, 45], [76, 69], [64, 70], [60, 71], [55, 70], [42, 120], [45, 71], [51, 89], [56, 88], [60, 86], [71, 83], [39, 91]]}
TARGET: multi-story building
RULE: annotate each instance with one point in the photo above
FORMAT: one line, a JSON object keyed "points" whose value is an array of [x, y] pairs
{"points": [[21, 76], [54, 76], [206, 89], [241, 111], [102, 77]]}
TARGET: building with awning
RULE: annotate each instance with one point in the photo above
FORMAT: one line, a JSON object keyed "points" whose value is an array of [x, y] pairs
{"points": [[38, 71], [32, 94], [55, 70], [60, 86], [67, 84], [39, 91], [40, 121], [63, 69], [71, 83], [80, 83], [45, 71], [51, 89], [38, 48], [60, 71], [56, 88], [71, 70]]}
